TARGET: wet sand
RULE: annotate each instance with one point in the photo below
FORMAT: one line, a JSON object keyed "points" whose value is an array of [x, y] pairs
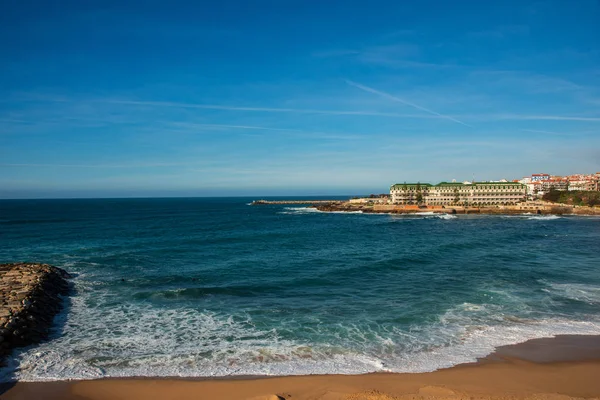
{"points": [[556, 368]]}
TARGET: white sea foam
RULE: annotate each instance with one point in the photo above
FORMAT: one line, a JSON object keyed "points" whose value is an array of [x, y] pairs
{"points": [[424, 215], [299, 210], [544, 217], [276, 358], [310, 210], [102, 338], [446, 216], [479, 341], [576, 291]]}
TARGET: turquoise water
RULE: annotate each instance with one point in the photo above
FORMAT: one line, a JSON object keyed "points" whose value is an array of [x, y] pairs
{"points": [[214, 287]]}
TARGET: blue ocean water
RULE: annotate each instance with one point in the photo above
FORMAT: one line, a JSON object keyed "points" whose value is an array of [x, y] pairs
{"points": [[214, 287]]}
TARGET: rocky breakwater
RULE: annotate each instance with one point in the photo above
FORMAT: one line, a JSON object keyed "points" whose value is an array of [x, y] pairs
{"points": [[30, 297], [344, 206], [542, 209]]}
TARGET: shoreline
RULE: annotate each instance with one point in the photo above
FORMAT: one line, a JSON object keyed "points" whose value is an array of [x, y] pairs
{"points": [[557, 368], [546, 209]]}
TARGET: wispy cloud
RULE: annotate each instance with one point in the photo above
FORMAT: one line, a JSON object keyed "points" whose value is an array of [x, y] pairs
{"points": [[42, 116], [399, 100], [288, 131], [540, 117], [400, 33], [543, 132], [399, 55], [335, 53], [142, 165], [526, 82], [261, 109], [226, 126], [13, 121], [500, 32]]}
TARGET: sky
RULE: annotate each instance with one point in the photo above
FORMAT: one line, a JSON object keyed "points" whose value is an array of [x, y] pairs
{"points": [[292, 97]]}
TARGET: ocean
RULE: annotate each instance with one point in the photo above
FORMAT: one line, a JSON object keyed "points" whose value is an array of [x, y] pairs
{"points": [[205, 287]]}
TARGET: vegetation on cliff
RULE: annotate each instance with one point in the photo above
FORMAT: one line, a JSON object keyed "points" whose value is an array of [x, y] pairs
{"points": [[576, 198]]}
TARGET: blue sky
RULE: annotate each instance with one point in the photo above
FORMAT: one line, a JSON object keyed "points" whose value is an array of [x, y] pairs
{"points": [[199, 98]]}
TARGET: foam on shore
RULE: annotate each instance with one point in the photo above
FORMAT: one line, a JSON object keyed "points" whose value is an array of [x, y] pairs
{"points": [[129, 341]]}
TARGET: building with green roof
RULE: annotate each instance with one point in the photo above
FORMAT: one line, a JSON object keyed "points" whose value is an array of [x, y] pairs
{"points": [[456, 193]]}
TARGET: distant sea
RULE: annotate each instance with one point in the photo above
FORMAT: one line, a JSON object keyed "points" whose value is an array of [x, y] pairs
{"points": [[204, 287]]}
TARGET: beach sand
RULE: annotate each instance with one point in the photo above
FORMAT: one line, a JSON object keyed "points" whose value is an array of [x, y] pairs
{"points": [[558, 368]]}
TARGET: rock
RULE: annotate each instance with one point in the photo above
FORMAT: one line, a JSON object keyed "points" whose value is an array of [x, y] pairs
{"points": [[29, 300]]}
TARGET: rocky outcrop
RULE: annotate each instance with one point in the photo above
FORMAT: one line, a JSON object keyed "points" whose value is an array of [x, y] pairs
{"points": [[266, 202], [548, 209], [30, 297]]}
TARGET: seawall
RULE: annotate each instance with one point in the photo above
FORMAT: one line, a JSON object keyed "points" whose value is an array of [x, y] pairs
{"points": [[30, 297]]}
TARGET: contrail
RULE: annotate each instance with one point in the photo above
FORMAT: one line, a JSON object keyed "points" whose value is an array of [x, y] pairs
{"points": [[399, 100], [260, 109]]}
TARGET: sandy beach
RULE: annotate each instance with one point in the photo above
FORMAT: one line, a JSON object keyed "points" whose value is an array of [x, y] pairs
{"points": [[558, 368]]}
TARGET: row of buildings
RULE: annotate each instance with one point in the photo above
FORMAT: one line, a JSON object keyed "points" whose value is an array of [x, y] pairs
{"points": [[489, 193], [538, 184]]}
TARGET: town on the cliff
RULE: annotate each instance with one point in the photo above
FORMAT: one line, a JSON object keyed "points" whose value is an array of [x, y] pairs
{"points": [[538, 193]]}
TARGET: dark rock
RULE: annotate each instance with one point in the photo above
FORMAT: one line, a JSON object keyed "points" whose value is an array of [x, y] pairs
{"points": [[30, 297]]}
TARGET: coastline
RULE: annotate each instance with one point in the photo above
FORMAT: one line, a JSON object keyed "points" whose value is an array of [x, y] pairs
{"points": [[555, 368], [546, 209]]}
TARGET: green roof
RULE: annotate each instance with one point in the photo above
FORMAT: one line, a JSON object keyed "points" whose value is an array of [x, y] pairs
{"points": [[412, 184], [479, 183], [497, 183]]}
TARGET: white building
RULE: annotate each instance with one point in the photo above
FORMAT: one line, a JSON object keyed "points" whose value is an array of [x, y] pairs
{"points": [[539, 177]]}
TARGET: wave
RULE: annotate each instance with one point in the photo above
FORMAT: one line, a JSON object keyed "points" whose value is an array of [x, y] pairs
{"points": [[343, 212], [125, 340], [299, 210], [195, 293], [209, 345], [423, 215], [544, 217], [446, 216], [575, 291], [311, 210]]}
